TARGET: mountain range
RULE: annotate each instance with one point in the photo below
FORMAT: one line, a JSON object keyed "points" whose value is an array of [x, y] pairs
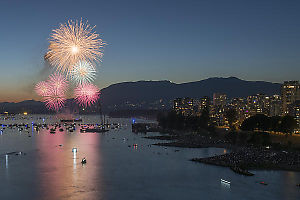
{"points": [[147, 92], [150, 94]]}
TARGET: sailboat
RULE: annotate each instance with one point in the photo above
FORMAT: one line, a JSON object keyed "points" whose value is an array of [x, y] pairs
{"points": [[98, 129]]}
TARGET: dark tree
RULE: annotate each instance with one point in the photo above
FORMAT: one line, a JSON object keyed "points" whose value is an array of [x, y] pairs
{"points": [[275, 123], [288, 124], [256, 122], [177, 121], [204, 118], [162, 120], [232, 116]]}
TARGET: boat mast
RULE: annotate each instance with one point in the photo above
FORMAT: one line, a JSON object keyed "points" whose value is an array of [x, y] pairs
{"points": [[100, 112]]}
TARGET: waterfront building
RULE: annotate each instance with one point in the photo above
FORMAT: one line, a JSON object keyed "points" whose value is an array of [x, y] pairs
{"points": [[184, 106], [290, 93]]}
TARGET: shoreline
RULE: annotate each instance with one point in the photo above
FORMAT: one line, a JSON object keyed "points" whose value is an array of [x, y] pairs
{"points": [[240, 159], [255, 159]]}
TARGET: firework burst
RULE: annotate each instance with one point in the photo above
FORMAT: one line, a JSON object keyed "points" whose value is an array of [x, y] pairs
{"points": [[58, 83], [83, 72], [73, 42], [86, 94], [54, 101], [53, 91], [42, 88]]}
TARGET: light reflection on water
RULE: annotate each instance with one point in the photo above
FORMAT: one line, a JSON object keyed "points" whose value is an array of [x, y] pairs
{"points": [[116, 168], [57, 181]]}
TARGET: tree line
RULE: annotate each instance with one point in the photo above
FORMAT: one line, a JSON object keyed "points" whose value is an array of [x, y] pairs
{"points": [[177, 121], [259, 122]]}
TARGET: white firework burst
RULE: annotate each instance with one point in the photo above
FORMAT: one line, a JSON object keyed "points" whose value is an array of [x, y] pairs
{"points": [[83, 72]]}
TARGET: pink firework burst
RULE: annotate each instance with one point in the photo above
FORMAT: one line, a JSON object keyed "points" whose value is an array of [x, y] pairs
{"points": [[86, 94], [53, 91], [42, 88], [54, 102], [58, 83], [56, 95]]}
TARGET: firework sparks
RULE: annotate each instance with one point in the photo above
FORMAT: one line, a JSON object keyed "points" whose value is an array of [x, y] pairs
{"points": [[56, 96], [83, 72], [58, 83], [54, 101], [53, 91], [73, 42], [86, 94], [42, 88]]}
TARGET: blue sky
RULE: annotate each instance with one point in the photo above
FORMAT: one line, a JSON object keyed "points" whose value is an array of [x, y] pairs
{"points": [[173, 40]]}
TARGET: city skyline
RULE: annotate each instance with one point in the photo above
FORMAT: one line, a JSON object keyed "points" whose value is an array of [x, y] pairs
{"points": [[177, 41]]}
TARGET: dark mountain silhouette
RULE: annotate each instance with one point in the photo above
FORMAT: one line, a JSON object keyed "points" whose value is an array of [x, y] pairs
{"points": [[145, 92], [29, 106], [151, 94]]}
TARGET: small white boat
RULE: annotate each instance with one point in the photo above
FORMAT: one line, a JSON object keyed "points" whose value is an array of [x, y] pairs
{"points": [[74, 150], [224, 181]]}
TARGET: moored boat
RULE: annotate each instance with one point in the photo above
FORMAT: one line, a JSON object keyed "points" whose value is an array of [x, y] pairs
{"points": [[263, 183], [224, 181]]}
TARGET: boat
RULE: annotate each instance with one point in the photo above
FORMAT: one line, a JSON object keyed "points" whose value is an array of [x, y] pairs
{"points": [[52, 130], [83, 161], [94, 130], [263, 183], [224, 181], [71, 120], [83, 130], [74, 150]]}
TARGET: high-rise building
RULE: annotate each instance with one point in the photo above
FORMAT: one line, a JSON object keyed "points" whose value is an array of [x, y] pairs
{"points": [[219, 99], [217, 109], [184, 106], [290, 92], [240, 106], [275, 105], [297, 112], [261, 104], [255, 104], [204, 103]]}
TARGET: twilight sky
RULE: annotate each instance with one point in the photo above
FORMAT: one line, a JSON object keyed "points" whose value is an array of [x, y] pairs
{"points": [[173, 40]]}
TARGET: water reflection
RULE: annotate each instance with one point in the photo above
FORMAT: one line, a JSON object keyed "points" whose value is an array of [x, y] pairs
{"points": [[61, 174], [6, 161], [290, 179], [225, 186], [74, 160]]}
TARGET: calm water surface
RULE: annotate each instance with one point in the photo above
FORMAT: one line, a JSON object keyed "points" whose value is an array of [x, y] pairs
{"points": [[117, 170]]}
